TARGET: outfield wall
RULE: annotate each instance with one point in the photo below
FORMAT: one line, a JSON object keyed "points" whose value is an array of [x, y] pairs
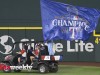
{"points": [[26, 13], [71, 51]]}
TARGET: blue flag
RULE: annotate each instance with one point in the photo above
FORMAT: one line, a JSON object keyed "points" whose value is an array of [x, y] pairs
{"points": [[68, 22]]}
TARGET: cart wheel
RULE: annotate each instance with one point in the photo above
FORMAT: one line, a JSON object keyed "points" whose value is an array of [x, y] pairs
{"points": [[17, 70], [54, 69], [43, 68], [6, 68]]}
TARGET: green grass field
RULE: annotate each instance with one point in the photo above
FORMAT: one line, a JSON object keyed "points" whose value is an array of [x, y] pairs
{"points": [[64, 70]]}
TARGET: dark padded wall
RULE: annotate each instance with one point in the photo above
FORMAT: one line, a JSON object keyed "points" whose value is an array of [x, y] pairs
{"points": [[20, 12]]}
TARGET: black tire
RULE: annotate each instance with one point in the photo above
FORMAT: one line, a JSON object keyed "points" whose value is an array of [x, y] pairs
{"points": [[6, 68], [43, 68], [54, 69], [17, 70]]}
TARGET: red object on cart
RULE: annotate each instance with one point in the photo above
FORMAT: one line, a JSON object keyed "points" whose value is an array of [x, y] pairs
{"points": [[4, 66]]}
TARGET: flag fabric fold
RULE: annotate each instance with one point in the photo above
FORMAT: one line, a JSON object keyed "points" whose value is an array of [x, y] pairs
{"points": [[68, 22]]}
